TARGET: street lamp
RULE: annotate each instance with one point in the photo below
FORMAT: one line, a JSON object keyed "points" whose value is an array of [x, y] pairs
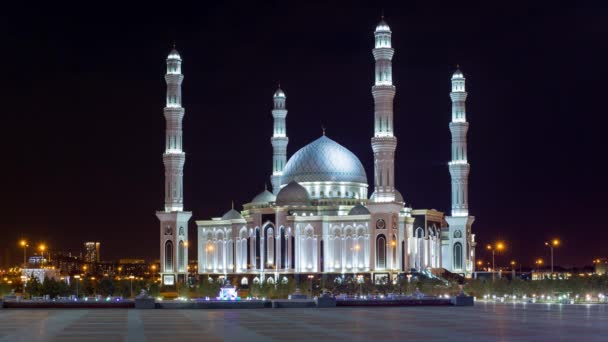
{"points": [[479, 263], [553, 243], [310, 278], [77, 277], [539, 263], [23, 244], [42, 248], [131, 277], [499, 246]]}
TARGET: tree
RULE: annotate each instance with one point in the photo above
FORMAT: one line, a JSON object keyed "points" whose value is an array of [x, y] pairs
{"points": [[106, 287], [33, 287]]}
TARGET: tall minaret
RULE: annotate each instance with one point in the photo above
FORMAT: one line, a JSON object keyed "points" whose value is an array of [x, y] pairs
{"points": [[173, 220], [458, 251], [384, 142], [279, 139], [459, 166]]}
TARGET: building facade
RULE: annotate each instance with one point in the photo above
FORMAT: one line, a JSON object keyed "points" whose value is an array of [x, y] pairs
{"points": [[91, 254], [320, 216]]}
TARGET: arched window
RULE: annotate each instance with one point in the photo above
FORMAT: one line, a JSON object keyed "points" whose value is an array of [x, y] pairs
{"points": [[269, 247], [293, 252], [283, 248], [180, 257], [269, 255], [457, 256], [257, 248], [419, 233], [244, 281], [394, 251], [337, 249], [168, 256], [381, 252]]}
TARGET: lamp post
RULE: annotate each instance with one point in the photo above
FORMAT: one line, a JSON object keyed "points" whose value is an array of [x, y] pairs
{"points": [[539, 263], [77, 277], [153, 267], [131, 277], [499, 246], [553, 243], [24, 244], [310, 277], [42, 248]]}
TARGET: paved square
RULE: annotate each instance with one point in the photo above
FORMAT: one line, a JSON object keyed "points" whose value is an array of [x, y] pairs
{"points": [[484, 322]]}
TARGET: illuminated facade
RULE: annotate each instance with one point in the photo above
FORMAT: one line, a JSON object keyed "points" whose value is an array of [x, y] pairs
{"points": [[92, 252], [319, 216], [173, 220], [459, 245], [384, 143], [279, 139]]}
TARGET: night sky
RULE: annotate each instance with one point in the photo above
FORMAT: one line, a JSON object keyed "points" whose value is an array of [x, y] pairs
{"points": [[83, 128]]}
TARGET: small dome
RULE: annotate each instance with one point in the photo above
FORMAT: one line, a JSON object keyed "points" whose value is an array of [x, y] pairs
{"points": [[174, 54], [279, 93], [359, 209], [398, 196], [232, 215], [383, 26], [324, 160], [293, 194], [264, 197], [457, 74]]}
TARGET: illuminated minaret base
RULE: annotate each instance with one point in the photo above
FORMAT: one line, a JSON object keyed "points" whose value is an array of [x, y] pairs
{"points": [[384, 142], [459, 252], [279, 139], [173, 220]]}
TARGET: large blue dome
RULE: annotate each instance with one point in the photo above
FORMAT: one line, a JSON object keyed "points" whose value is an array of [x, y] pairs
{"points": [[324, 160]]}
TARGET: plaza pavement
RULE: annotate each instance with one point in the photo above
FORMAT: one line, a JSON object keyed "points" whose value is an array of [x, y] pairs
{"points": [[484, 322]]}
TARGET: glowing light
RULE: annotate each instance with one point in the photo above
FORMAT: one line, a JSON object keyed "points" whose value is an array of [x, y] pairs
{"points": [[458, 162]]}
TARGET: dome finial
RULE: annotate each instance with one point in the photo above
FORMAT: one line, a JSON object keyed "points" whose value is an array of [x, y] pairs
{"points": [[174, 45], [323, 128], [232, 204]]}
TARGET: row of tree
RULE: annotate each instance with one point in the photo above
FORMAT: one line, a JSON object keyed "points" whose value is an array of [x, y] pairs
{"points": [[592, 285], [206, 287], [88, 287]]}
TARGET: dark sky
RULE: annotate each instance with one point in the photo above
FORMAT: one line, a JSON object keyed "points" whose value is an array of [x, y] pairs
{"points": [[83, 131]]}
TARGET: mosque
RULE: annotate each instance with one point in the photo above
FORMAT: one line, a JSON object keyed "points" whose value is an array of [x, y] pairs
{"points": [[320, 217]]}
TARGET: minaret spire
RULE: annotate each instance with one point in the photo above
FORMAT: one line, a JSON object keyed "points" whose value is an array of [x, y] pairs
{"points": [[174, 156], [458, 252], [459, 166], [173, 220], [279, 139], [384, 143]]}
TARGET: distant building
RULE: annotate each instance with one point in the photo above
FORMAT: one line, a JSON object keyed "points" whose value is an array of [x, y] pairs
{"points": [[601, 266], [91, 252], [36, 260], [40, 273], [134, 267]]}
